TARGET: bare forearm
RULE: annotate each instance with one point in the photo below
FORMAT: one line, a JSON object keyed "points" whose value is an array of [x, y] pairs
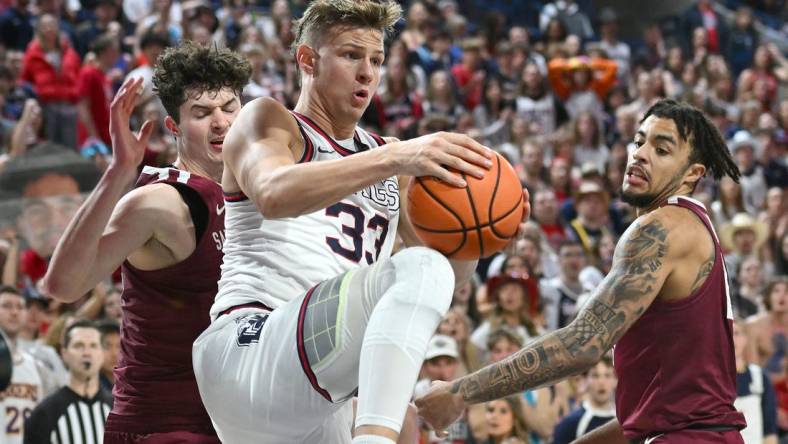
{"points": [[294, 190], [608, 433], [617, 303], [542, 362], [76, 255]]}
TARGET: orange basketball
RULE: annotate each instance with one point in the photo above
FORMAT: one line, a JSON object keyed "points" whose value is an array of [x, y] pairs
{"points": [[471, 222]]}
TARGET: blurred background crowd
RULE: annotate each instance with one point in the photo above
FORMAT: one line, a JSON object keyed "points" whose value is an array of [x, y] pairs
{"points": [[557, 87]]}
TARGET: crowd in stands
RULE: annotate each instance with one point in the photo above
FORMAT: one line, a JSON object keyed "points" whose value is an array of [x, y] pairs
{"points": [[552, 86]]}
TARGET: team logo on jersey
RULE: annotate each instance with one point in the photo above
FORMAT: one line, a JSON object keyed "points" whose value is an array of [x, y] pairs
{"points": [[384, 193], [250, 328]]}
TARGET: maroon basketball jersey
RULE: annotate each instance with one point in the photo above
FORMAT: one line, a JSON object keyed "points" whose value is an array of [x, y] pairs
{"points": [[164, 311], [676, 365]]}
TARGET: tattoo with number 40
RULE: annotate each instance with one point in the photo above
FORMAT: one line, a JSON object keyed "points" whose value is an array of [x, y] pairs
{"points": [[632, 284]]}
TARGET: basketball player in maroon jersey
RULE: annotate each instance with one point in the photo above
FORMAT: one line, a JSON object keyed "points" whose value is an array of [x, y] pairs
{"points": [[664, 305], [167, 236]]}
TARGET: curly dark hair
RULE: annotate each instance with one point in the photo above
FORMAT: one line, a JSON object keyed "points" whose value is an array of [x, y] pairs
{"points": [[188, 70]]}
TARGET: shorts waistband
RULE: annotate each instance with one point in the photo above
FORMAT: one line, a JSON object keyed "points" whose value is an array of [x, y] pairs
{"points": [[248, 305], [701, 427]]}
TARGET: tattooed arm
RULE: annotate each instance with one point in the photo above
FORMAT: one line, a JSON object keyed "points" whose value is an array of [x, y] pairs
{"points": [[640, 267]]}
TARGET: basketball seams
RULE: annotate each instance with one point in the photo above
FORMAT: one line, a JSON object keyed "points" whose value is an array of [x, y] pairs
{"points": [[502, 217], [475, 215], [432, 195]]}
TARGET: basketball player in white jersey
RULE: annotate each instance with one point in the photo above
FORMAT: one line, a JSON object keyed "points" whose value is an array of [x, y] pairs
{"points": [[312, 308], [28, 385]]}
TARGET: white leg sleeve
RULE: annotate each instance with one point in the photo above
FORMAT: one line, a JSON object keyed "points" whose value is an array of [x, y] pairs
{"points": [[396, 337]]}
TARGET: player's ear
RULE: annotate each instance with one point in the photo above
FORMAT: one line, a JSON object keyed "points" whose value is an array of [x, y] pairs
{"points": [[306, 57], [694, 173], [170, 124]]}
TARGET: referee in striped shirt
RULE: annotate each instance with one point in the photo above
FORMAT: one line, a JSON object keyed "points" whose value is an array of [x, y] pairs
{"points": [[76, 413]]}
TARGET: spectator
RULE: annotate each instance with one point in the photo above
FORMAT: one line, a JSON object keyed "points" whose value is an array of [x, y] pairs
{"points": [[560, 294], [512, 308], [596, 409], [702, 15], [743, 40], [533, 174], [569, 13], [743, 236], [441, 98], [52, 67], [397, 106], [152, 44], [505, 421], [29, 384], [611, 45], [16, 26], [745, 148], [545, 212], [560, 179], [468, 75], [110, 344], [78, 411], [104, 13], [94, 86], [746, 294], [457, 325], [755, 396], [582, 82], [769, 346], [592, 203], [729, 202], [493, 116], [161, 148], [538, 104], [589, 145]]}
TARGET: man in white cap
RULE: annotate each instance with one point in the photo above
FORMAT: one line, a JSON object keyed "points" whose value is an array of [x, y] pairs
{"points": [[746, 149], [440, 362]]}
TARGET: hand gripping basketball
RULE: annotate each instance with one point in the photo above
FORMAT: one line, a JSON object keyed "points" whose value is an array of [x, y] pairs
{"points": [[473, 221]]}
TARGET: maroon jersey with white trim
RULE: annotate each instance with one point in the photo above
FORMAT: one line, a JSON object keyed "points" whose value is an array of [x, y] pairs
{"points": [[164, 311], [676, 366]]}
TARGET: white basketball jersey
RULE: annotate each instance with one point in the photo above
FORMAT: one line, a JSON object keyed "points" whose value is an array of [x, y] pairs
{"points": [[19, 399], [276, 260]]}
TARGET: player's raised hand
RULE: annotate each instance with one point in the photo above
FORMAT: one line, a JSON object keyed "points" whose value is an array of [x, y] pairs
{"points": [[128, 148], [434, 154], [440, 407]]}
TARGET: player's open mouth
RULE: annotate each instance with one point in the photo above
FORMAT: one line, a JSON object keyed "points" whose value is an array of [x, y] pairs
{"points": [[361, 94], [217, 144], [636, 175]]}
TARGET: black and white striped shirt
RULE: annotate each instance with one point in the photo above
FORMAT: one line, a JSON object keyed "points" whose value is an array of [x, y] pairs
{"points": [[67, 418]]}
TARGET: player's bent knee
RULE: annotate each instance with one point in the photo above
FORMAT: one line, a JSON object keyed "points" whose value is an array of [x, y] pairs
{"points": [[431, 275]]}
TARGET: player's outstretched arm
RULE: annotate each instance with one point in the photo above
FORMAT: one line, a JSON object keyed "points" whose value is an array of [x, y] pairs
{"points": [[641, 264], [262, 148], [85, 253]]}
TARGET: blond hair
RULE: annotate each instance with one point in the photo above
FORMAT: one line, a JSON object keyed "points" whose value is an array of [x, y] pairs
{"points": [[324, 15]]}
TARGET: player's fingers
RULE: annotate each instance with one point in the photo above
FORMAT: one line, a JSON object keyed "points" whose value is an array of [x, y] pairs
{"points": [[469, 155], [132, 95], [461, 165], [469, 143], [449, 177], [122, 92], [145, 132]]}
